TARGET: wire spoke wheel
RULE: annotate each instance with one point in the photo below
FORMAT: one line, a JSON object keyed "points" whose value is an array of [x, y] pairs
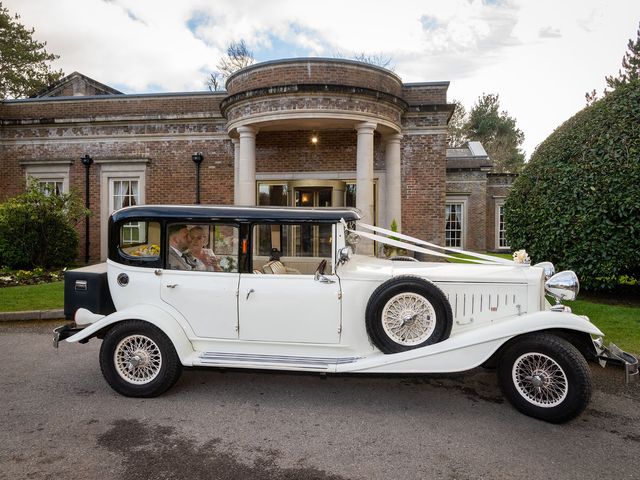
{"points": [[540, 380], [137, 359], [408, 319]]}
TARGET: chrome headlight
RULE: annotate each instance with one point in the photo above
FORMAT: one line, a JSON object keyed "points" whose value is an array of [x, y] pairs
{"points": [[549, 269], [563, 286]]}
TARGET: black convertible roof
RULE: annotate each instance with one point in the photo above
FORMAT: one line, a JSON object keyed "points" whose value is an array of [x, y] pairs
{"points": [[189, 213]]}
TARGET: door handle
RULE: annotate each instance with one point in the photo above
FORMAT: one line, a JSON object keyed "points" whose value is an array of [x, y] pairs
{"points": [[172, 285], [250, 292], [323, 279]]}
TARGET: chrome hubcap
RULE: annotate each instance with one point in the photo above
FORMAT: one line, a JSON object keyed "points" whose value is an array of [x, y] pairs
{"points": [[137, 359], [408, 319], [540, 380]]}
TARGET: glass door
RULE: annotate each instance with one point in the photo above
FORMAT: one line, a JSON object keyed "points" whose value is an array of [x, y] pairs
{"points": [[313, 240]]}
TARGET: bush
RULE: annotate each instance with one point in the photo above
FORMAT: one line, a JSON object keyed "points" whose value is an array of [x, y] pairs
{"points": [[577, 202], [37, 229]]}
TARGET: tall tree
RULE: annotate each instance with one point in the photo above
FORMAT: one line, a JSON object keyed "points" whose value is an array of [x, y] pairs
{"points": [[238, 56], [457, 135], [498, 133], [24, 62], [630, 65]]}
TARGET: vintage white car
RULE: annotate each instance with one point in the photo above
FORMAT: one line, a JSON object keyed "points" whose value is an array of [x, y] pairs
{"points": [[281, 288]]}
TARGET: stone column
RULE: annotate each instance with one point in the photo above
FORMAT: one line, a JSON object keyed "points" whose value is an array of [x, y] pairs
{"points": [[236, 169], [247, 166], [364, 179], [394, 180]]}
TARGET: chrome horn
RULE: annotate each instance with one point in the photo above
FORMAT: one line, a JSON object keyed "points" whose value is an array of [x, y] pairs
{"points": [[548, 267]]}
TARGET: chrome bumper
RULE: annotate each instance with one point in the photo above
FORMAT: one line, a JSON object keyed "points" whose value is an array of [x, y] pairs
{"points": [[64, 332], [614, 355]]}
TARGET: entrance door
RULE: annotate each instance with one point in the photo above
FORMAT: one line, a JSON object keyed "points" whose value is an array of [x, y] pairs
{"points": [[312, 240]]}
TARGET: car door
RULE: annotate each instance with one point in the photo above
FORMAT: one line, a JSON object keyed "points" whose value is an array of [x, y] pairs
{"points": [[289, 308], [290, 304], [208, 299]]}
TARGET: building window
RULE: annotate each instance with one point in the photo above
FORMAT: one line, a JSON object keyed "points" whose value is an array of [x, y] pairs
{"points": [[500, 227], [122, 184], [454, 225], [126, 193], [51, 176], [52, 186]]}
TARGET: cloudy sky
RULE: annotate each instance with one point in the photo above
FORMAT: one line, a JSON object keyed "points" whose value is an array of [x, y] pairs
{"points": [[540, 56]]}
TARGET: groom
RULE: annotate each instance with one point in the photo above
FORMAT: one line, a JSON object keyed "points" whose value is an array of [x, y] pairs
{"points": [[179, 241]]}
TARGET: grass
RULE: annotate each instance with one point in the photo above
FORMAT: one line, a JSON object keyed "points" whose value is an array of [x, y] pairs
{"points": [[462, 258], [620, 324], [45, 296]]}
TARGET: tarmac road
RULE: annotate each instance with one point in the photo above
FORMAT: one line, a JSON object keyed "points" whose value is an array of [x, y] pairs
{"points": [[60, 420]]}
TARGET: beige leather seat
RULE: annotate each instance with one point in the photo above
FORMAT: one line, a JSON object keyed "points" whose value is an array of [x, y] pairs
{"points": [[276, 267]]}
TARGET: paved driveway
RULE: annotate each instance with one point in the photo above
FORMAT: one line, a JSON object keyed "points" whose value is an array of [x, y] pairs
{"points": [[60, 420]]}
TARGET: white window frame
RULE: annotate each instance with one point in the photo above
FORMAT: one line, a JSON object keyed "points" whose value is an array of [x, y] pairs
{"points": [[499, 205], [458, 200], [115, 170], [51, 171]]}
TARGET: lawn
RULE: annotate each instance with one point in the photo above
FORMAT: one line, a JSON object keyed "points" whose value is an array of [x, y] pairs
{"points": [[45, 296], [462, 258], [620, 324]]}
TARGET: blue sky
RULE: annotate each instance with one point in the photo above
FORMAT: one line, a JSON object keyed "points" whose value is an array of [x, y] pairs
{"points": [[540, 56]]}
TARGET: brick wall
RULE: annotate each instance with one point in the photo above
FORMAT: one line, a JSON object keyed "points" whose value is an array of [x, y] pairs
{"points": [[423, 186], [292, 151], [471, 185], [315, 71], [425, 93], [44, 110]]}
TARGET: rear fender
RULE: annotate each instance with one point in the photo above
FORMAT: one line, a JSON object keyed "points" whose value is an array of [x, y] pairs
{"points": [[148, 313]]}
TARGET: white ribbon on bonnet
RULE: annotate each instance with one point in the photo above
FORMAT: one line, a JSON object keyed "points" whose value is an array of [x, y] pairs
{"points": [[413, 246]]}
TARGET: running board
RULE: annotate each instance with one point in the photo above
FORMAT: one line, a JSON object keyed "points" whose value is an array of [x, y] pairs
{"points": [[248, 360]]}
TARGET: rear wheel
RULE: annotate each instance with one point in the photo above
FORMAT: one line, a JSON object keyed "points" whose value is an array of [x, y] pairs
{"points": [[545, 377], [138, 360]]}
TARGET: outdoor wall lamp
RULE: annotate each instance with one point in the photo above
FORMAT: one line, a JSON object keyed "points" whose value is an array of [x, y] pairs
{"points": [[197, 159]]}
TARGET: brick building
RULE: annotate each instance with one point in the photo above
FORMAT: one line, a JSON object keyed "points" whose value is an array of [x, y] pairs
{"points": [[308, 132]]}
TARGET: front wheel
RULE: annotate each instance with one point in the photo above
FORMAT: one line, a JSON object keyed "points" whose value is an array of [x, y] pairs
{"points": [[137, 359], [545, 377]]}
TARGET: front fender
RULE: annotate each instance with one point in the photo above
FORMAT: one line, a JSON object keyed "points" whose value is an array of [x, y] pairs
{"points": [[148, 313], [470, 349]]}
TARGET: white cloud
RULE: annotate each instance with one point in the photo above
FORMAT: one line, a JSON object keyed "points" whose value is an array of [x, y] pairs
{"points": [[540, 56]]}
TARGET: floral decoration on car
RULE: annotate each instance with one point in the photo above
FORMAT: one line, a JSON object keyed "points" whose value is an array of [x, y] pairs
{"points": [[152, 250], [521, 256]]}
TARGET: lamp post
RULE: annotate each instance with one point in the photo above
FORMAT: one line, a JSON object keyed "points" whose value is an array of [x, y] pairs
{"points": [[197, 159], [86, 161]]}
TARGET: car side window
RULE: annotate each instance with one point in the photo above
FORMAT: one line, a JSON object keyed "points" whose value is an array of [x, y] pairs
{"points": [[294, 249], [140, 240], [206, 247]]}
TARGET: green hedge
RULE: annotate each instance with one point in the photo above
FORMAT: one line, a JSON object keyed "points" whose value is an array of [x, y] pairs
{"points": [[577, 202], [37, 229]]}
